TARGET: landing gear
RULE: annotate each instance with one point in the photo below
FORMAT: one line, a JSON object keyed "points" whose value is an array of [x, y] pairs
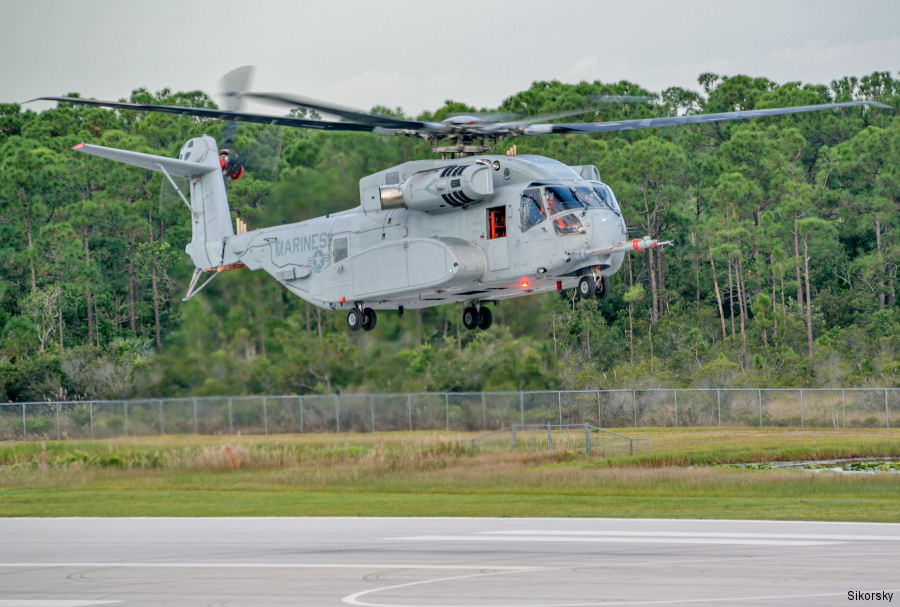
{"points": [[586, 287], [477, 318], [471, 317], [486, 319], [601, 291], [354, 319], [364, 318], [369, 319]]}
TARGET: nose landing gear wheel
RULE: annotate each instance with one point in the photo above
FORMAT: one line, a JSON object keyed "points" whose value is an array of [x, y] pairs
{"points": [[354, 319], [586, 287], [369, 319], [471, 318]]}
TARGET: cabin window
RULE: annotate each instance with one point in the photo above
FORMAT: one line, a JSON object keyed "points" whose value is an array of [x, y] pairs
{"points": [[496, 222], [532, 209], [339, 246]]}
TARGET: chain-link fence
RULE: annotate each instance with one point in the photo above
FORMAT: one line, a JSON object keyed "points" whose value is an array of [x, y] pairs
{"points": [[459, 411]]}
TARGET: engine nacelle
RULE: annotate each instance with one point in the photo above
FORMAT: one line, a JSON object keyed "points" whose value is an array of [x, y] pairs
{"points": [[440, 190]]}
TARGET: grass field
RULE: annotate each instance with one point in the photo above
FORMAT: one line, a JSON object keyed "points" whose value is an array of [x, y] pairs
{"points": [[440, 474]]}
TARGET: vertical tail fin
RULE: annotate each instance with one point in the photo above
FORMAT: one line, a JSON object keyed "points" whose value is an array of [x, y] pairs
{"points": [[199, 163]]}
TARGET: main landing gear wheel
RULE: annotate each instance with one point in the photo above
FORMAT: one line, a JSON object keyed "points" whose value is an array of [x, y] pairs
{"points": [[471, 318], [369, 319], [586, 287], [486, 319], [354, 319], [601, 291]]}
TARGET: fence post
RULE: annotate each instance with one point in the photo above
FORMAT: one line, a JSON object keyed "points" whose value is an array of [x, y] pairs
{"points": [[514, 435], [599, 418], [630, 446], [162, 427], [126, 418], [24, 432], [409, 409], [559, 406], [91, 409], [300, 401], [196, 426], [337, 411], [447, 410], [634, 407], [372, 410], [58, 433], [887, 418], [266, 414], [801, 408], [587, 438], [844, 406], [759, 399], [483, 413], [719, 406], [521, 407], [230, 415], [549, 438], [675, 395]]}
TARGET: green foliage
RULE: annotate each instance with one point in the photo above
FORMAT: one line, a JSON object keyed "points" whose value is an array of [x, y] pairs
{"points": [[93, 270]]}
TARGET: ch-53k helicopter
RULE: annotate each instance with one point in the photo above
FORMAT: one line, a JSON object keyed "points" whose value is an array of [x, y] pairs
{"points": [[469, 227]]}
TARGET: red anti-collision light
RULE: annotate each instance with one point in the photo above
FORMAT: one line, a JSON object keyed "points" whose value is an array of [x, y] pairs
{"points": [[342, 299], [524, 284]]}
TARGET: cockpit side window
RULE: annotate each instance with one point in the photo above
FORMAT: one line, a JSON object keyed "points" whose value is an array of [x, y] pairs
{"points": [[559, 199], [568, 224], [532, 209]]}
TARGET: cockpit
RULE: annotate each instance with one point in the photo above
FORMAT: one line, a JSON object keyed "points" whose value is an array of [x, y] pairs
{"points": [[564, 203]]}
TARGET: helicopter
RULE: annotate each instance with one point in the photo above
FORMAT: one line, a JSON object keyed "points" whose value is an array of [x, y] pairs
{"points": [[469, 227]]}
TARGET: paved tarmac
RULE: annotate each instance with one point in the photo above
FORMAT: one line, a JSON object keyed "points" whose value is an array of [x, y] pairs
{"points": [[426, 562]]}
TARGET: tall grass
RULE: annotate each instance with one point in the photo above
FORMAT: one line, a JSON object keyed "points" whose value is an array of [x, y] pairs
{"points": [[433, 473]]}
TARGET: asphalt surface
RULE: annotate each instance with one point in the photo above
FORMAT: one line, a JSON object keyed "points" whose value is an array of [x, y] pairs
{"points": [[475, 562]]}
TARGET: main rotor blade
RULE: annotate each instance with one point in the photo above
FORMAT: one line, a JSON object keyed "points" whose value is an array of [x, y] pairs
{"points": [[650, 123], [341, 111], [304, 123]]}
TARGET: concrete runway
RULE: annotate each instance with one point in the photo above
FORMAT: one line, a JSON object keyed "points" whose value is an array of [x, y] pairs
{"points": [[369, 562]]}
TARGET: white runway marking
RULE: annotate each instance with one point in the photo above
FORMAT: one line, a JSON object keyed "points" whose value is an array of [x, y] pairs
{"points": [[51, 603], [353, 599], [704, 534], [373, 566], [629, 539]]}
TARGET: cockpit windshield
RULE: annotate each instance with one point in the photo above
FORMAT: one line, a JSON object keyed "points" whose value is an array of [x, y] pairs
{"points": [[588, 196], [606, 195], [560, 198], [542, 199]]}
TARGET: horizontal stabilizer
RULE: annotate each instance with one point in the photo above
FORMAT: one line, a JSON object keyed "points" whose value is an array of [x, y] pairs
{"points": [[161, 164]]}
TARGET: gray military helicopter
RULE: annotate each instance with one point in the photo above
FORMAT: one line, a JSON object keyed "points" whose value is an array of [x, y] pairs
{"points": [[470, 227]]}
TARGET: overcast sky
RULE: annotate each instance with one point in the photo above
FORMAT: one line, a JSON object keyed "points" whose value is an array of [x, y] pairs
{"points": [[416, 54]]}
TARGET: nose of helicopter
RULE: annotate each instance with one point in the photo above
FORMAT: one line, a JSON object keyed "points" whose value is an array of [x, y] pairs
{"points": [[607, 230]]}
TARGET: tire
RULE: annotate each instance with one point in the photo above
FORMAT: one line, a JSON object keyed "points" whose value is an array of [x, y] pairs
{"points": [[486, 319], [369, 319], [586, 287], [354, 319], [471, 318], [601, 291]]}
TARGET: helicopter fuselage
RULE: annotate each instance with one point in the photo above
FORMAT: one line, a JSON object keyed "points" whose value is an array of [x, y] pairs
{"points": [[431, 232]]}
